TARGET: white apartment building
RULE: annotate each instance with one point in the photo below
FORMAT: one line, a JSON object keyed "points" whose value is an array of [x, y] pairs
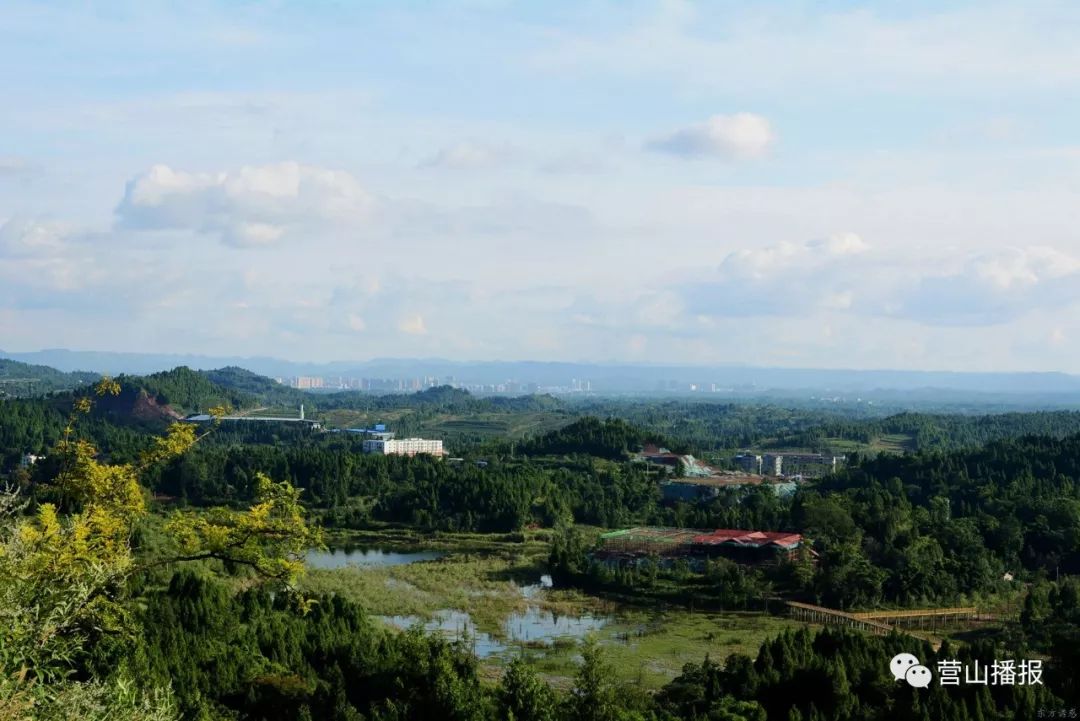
{"points": [[403, 446]]}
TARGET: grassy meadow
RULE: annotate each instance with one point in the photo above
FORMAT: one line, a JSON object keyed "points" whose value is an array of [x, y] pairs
{"points": [[483, 575]]}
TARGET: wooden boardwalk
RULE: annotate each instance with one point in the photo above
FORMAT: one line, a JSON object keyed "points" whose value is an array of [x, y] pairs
{"points": [[832, 617], [882, 621], [922, 616]]}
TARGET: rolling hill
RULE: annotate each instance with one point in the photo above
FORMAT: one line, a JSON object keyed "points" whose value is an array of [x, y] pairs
{"points": [[21, 380]]}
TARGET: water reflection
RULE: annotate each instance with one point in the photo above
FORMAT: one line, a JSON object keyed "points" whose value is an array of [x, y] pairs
{"points": [[371, 557], [534, 626]]}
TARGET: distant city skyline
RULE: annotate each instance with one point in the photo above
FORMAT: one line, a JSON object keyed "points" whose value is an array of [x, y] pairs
{"points": [[895, 387], [876, 185]]}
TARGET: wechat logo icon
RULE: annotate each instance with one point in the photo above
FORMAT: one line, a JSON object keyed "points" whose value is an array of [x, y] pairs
{"points": [[906, 667]]}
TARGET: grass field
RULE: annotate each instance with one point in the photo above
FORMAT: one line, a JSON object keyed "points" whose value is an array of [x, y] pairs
{"points": [[483, 575], [485, 584], [891, 443], [452, 428], [345, 418], [651, 648]]}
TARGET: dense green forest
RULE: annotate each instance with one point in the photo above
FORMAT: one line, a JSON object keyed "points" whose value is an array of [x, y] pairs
{"points": [[937, 432], [19, 380], [483, 424], [255, 656], [981, 510], [924, 529]]}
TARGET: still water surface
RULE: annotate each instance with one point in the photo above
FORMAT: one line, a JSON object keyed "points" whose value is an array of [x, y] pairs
{"points": [[372, 557]]}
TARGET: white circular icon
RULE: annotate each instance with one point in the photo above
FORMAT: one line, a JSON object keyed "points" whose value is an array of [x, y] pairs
{"points": [[918, 676], [901, 663]]}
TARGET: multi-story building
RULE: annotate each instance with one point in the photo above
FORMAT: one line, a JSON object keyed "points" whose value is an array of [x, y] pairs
{"points": [[749, 462], [810, 465], [403, 446]]}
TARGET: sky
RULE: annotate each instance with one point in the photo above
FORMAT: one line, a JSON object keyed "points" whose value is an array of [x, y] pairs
{"points": [[807, 184]]}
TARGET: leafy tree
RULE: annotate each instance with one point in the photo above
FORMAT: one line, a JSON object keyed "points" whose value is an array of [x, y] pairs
{"points": [[63, 572]]}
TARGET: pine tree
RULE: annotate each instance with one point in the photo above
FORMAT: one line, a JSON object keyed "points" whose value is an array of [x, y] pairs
{"points": [[524, 697], [593, 697]]}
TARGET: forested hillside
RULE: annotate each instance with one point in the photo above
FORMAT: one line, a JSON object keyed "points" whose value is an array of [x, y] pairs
{"points": [[923, 432], [612, 439], [992, 523], [21, 380], [188, 391]]}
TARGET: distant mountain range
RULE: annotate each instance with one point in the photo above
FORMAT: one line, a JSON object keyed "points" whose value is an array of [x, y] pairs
{"points": [[602, 378]]}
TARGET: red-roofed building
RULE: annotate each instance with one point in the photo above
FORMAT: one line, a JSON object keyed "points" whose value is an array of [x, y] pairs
{"points": [[738, 545]]}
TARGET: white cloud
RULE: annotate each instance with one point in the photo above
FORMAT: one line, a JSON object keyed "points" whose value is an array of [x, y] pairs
{"points": [[26, 237], [761, 263], [793, 279], [995, 287], [251, 206], [731, 137], [841, 274], [841, 244], [467, 156]]}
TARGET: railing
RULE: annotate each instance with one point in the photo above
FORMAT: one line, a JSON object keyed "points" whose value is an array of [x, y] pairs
{"points": [[882, 621], [833, 617], [959, 612]]}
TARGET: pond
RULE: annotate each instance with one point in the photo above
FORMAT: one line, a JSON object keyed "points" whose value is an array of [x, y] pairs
{"points": [[533, 626], [371, 557]]}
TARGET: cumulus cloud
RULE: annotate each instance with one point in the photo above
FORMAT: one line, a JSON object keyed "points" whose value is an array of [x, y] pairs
{"points": [[783, 279], [53, 265], [740, 136], [996, 287], [841, 274], [41, 261], [24, 237], [251, 206], [840, 244]]}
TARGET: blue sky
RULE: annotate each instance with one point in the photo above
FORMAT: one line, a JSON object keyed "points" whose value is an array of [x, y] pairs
{"points": [[790, 183]]}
